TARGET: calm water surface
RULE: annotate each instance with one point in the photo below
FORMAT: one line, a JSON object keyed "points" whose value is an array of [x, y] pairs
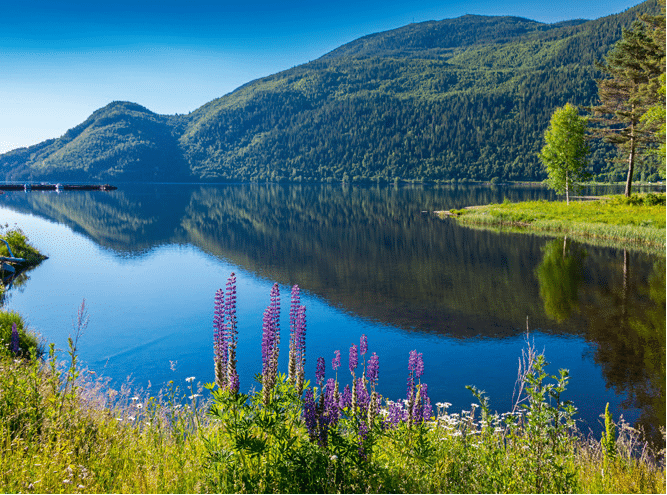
{"points": [[148, 259]]}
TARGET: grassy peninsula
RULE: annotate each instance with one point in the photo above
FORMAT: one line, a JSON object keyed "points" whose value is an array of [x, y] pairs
{"points": [[636, 223]]}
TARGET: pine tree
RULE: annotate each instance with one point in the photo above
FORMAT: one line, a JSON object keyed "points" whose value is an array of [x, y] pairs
{"points": [[633, 66], [653, 121]]}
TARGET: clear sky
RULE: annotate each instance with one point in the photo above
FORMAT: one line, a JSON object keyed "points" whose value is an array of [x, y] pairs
{"points": [[60, 60]]}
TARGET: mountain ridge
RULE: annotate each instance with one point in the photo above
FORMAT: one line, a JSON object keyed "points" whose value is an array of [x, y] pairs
{"points": [[464, 98]]}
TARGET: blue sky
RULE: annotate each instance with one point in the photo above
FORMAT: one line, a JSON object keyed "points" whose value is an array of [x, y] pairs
{"points": [[60, 60]]}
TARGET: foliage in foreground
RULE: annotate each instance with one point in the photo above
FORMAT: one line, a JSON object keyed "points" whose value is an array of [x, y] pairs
{"points": [[63, 431]]}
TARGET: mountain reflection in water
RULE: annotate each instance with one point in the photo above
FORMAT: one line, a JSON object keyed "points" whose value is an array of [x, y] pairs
{"points": [[379, 253]]}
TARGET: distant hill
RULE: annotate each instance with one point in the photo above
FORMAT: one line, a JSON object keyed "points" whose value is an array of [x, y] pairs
{"points": [[465, 98], [122, 140]]}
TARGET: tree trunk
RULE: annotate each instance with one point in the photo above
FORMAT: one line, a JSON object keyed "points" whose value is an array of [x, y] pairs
{"points": [[567, 189], [631, 159]]}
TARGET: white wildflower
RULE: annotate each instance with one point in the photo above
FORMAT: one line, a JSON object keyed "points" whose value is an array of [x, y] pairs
{"points": [[190, 379]]}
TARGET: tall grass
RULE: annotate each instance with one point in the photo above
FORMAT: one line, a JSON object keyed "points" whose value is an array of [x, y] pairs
{"points": [[65, 430]]}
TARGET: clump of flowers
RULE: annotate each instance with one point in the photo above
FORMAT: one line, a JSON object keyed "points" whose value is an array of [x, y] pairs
{"points": [[323, 407], [417, 407]]}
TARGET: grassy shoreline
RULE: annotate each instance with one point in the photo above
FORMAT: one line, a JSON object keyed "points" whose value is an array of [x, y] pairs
{"points": [[64, 430], [636, 223]]}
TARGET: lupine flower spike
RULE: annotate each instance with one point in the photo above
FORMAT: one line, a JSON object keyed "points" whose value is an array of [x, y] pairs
{"points": [[335, 364], [225, 337], [294, 307], [232, 332], [15, 340], [270, 344], [220, 354], [363, 349], [297, 346], [301, 346]]}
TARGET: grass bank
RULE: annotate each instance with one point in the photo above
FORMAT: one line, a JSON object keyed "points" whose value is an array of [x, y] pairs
{"points": [[635, 223], [62, 430]]}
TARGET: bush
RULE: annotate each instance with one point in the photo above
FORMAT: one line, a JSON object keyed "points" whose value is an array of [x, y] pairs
{"points": [[20, 247], [28, 344]]}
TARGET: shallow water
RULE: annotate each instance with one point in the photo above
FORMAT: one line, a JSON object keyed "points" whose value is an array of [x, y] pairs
{"points": [[148, 259]]}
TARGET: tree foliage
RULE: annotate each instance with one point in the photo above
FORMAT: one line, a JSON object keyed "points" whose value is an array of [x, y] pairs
{"points": [[633, 68], [565, 153]]}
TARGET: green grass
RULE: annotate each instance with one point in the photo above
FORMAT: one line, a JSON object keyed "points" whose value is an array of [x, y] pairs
{"points": [[21, 248], [637, 222], [65, 431]]}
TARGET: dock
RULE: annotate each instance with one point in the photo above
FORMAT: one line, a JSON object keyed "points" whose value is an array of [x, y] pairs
{"points": [[42, 186]]}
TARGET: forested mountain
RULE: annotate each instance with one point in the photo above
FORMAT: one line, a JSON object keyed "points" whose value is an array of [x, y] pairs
{"points": [[465, 98]]}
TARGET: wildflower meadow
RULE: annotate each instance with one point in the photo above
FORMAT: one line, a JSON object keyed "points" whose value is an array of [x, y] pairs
{"points": [[65, 430]]}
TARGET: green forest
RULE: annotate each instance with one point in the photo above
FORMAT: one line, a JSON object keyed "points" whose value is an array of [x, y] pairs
{"points": [[453, 100]]}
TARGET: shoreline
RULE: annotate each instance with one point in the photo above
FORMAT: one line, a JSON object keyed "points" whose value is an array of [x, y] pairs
{"points": [[636, 223]]}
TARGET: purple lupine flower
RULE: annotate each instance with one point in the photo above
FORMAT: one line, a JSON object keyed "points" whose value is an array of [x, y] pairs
{"points": [[297, 345], [232, 332], [363, 398], [15, 340], [397, 414], [416, 363], [354, 358], [363, 435], [234, 384], [230, 300], [220, 340], [427, 409], [373, 369], [270, 343], [345, 397], [330, 413], [295, 304], [331, 405], [319, 371], [363, 345], [335, 363], [417, 413], [294, 340], [300, 340], [310, 414]]}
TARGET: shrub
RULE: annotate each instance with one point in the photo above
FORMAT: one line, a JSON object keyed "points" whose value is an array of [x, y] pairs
{"points": [[12, 326]]}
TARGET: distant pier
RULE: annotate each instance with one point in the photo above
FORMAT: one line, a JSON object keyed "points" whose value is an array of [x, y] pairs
{"points": [[56, 187]]}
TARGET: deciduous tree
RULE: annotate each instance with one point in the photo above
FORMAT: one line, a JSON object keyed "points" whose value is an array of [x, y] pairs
{"points": [[565, 152]]}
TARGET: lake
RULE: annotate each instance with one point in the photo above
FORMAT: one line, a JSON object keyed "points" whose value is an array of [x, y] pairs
{"points": [[370, 260]]}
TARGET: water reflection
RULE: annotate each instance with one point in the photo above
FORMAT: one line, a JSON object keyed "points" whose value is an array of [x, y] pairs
{"points": [[560, 275], [372, 252], [628, 334]]}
